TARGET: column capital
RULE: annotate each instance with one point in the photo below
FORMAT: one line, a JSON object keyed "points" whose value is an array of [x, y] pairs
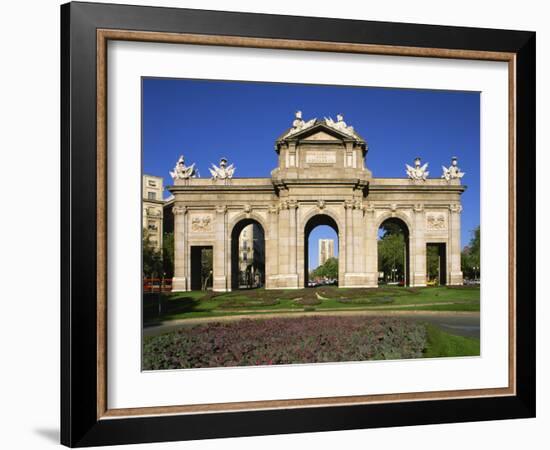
{"points": [[370, 208], [179, 210], [221, 209], [349, 204], [418, 207]]}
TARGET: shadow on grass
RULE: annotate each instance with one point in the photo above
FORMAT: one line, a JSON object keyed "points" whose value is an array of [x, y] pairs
{"points": [[154, 313]]}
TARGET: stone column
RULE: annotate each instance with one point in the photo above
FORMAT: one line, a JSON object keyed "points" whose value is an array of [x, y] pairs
{"points": [[348, 205], [340, 212], [180, 282], [287, 277], [417, 248], [455, 276], [346, 274], [272, 249], [371, 246], [358, 233], [293, 210], [283, 248], [220, 275]]}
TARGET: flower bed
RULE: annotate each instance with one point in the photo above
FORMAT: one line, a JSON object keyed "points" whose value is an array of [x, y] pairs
{"points": [[251, 342]]}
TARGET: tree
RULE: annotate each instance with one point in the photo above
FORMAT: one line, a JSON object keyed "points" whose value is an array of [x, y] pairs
{"points": [[329, 269], [152, 259], [432, 257], [390, 227], [206, 268], [470, 256], [391, 253], [168, 254]]}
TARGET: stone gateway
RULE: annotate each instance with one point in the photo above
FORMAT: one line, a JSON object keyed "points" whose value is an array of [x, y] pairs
{"points": [[321, 179]]}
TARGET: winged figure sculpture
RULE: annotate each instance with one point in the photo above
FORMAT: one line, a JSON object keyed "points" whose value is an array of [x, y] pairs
{"points": [[453, 172], [417, 172], [223, 172]]}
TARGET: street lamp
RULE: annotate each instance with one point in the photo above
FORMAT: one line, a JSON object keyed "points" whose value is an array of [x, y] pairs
{"points": [[161, 289]]}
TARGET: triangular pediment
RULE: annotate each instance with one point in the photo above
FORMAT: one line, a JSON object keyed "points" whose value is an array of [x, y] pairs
{"points": [[321, 136], [319, 131]]}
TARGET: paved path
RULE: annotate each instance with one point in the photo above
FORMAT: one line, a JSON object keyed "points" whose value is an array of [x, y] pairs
{"points": [[354, 310], [461, 323]]}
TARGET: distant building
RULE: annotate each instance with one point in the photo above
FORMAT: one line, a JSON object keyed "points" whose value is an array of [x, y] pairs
{"points": [[326, 250], [152, 205]]}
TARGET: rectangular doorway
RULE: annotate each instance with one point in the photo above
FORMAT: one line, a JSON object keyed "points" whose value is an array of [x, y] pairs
{"points": [[201, 267], [436, 263]]}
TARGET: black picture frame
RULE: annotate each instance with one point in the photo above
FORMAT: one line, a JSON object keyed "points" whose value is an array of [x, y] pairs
{"points": [[80, 425]]}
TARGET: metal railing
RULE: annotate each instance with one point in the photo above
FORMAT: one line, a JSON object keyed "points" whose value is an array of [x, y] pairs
{"points": [[151, 285]]}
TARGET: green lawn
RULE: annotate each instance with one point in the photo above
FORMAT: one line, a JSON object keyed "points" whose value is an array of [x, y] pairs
{"points": [[445, 344], [196, 304]]}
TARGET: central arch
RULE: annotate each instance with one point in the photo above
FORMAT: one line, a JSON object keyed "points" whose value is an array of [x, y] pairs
{"points": [[247, 254], [313, 222]]}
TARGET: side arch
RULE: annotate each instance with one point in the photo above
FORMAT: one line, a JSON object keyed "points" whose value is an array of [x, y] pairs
{"points": [[404, 224], [394, 215]]}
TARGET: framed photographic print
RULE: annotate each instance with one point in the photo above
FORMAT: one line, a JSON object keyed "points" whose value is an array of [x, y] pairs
{"points": [[278, 224]]}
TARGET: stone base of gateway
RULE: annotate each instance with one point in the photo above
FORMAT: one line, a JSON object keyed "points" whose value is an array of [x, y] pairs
{"points": [[456, 279], [291, 282], [359, 280], [180, 284]]}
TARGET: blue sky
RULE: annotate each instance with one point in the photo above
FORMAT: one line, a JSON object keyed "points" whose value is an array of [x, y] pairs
{"points": [[204, 120]]}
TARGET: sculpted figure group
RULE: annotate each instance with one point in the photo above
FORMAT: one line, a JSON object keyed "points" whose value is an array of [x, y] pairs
{"points": [[420, 172], [183, 172]]}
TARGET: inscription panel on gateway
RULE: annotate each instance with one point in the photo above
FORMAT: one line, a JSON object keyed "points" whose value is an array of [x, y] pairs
{"points": [[320, 157]]}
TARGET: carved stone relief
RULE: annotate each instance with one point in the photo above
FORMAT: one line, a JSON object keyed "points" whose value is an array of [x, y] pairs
{"points": [[201, 223], [436, 221], [153, 212]]}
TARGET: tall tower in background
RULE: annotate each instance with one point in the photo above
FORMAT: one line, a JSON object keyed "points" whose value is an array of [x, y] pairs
{"points": [[326, 250]]}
